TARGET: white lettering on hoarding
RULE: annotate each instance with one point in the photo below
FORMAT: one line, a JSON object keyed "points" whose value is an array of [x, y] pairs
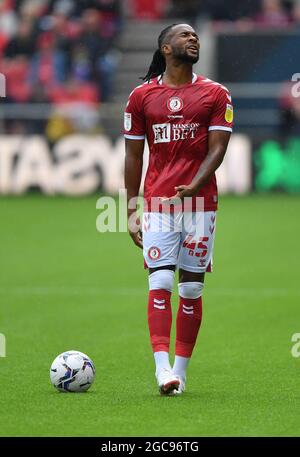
{"points": [[80, 164]]}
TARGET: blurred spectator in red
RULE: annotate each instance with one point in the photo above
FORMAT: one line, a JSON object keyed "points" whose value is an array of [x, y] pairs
{"points": [[74, 91], [272, 14], [149, 9], [3, 43], [16, 71], [70, 101]]}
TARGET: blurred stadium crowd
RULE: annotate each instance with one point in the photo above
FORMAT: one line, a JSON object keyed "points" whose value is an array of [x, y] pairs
{"points": [[58, 51], [63, 52], [257, 12]]}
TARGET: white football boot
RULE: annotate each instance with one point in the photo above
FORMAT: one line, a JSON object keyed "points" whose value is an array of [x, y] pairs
{"points": [[167, 381], [181, 387]]}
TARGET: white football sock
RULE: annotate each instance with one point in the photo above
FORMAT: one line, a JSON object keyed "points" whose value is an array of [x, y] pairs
{"points": [[180, 366], [162, 360]]}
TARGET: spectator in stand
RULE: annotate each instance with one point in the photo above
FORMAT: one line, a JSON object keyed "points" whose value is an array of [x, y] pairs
{"points": [[81, 67], [187, 9], [23, 43], [64, 7], [33, 9], [49, 64], [64, 27], [111, 14], [8, 19], [64, 33], [96, 49], [3, 43]]}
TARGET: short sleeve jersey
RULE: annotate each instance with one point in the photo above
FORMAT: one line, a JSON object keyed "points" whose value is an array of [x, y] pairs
{"points": [[176, 123]]}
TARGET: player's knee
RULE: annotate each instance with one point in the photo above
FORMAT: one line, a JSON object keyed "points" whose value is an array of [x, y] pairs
{"points": [[191, 290], [162, 279]]}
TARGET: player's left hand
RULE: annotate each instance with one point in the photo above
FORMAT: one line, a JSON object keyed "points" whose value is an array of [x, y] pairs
{"points": [[181, 192]]}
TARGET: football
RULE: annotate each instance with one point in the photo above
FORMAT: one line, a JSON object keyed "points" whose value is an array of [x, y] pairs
{"points": [[72, 371]]}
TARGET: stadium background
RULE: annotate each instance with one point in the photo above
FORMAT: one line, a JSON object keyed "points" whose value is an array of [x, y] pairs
{"points": [[69, 67]]}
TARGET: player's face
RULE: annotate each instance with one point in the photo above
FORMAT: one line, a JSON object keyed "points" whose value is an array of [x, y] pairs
{"points": [[184, 44]]}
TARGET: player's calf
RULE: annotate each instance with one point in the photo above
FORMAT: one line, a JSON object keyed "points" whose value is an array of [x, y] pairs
{"points": [[159, 309], [160, 320], [189, 317]]}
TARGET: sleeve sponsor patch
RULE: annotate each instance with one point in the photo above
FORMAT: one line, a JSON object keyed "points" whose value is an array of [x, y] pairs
{"points": [[127, 122], [229, 113]]}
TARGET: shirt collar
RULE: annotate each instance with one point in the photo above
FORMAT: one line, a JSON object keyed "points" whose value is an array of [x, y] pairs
{"points": [[160, 77]]}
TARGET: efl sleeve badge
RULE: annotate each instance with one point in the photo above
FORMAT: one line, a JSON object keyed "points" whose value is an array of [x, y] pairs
{"points": [[229, 113]]}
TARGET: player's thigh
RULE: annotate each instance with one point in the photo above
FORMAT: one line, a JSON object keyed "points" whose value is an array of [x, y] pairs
{"points": [[197, 242], [160, 242]]}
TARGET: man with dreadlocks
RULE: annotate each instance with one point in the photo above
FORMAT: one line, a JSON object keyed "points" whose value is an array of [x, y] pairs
{"points": [[187, 120]]}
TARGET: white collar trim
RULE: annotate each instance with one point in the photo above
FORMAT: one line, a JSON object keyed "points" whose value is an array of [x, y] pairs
{"points": [[161, 77]]}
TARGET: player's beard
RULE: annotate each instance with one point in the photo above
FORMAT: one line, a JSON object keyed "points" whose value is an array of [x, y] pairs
{"points": [[182, 55]]}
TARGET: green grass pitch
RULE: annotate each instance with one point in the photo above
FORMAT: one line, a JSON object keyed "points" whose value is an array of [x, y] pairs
{"points": [[65, 286]]}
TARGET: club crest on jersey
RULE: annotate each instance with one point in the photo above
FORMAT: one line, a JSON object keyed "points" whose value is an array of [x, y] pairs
{"points": [[175, 104], [154, 253], [229, 113], [127, 121]]}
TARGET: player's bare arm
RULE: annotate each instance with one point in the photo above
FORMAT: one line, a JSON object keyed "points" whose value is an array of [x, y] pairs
{"points": [[217, 145], [133, 174]]}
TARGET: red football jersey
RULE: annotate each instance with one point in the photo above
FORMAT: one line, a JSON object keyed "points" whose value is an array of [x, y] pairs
{"points": [[176, 123]]}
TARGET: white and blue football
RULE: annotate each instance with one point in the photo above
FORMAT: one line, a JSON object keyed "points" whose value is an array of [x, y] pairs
{"points": [[72, 371]]}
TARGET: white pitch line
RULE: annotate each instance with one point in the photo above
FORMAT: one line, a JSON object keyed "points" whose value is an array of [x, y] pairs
{"points": [[92, 290], [69, 291]]}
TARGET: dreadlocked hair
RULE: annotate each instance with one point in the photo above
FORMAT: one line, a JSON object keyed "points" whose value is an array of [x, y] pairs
{"points": [[158, 64]]}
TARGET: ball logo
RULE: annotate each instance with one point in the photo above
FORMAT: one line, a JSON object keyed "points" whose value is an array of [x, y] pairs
{"points": [[175, 104], [154, 253]]}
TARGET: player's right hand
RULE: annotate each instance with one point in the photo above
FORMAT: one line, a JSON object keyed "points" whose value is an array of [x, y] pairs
{"points": [[137, 238], [134, 229]]}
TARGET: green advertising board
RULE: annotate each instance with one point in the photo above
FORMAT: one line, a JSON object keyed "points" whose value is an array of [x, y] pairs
{"points": [[277, 166]]}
